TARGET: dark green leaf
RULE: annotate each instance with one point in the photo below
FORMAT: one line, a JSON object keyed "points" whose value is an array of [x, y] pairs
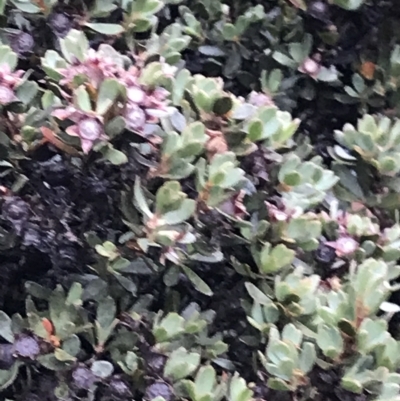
{"points": [[222, 105]]}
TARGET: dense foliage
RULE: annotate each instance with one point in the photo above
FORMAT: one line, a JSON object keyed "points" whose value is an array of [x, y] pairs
{"points": [[199, 200]]}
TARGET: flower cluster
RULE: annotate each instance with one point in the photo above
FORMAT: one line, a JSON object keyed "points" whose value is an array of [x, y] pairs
{"points": [[96, 67], [140, 105], [88, 126], [144, 105], [8, 82], [350, 229]]}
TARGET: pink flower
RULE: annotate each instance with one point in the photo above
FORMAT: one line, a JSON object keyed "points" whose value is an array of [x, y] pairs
{"points": [[310, 67], [234, 206], [344, 246], [130, 77], [260, 99], [88, 126], [282, 213], [135, 117], [96, 67], [144, 106], [7, 95], [136, 94], [8, 82]]}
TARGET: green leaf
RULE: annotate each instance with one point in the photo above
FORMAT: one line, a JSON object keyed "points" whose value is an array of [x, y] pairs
{"points": [[5, 327], [142, 25], [27, 92], [352, 385], [255, 130], [297, 52], [274, 80], [284, 60], [273, 260], [106, 312], [114, 156], [63, 356], [238, 390], [82, 99], [257, 295], [197, 282], [109, 91], [26, 7], [74, 296], [120, 264], [102, 369], [72, 345], [181, 364], [49, 361], [170, 326], [308, 357], [222, 105], [205, 380], [302, 229], [171, 277], [147, 7], [292, 179], [140, 199], [278, 384], [75, 44], [349, 4], [7, 377], [107, 249], [127, 283], [243, 111], [102, 8], [203, 101], [211, 51], [229, 31], [2, 6], [292, 334], [37, 290], [106, 29], [180, 82], [330, 341], [115, 127], [182, 214], [131, 361]]}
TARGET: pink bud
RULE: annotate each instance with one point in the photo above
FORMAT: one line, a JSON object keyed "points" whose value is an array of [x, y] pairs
{"points": [[310, 67]]}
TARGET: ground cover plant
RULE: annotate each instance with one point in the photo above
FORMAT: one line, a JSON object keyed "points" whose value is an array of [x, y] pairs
{"points": [[199, 200]]}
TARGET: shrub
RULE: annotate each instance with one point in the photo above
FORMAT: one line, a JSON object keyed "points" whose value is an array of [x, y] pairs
{"points": [[199, 200]]}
